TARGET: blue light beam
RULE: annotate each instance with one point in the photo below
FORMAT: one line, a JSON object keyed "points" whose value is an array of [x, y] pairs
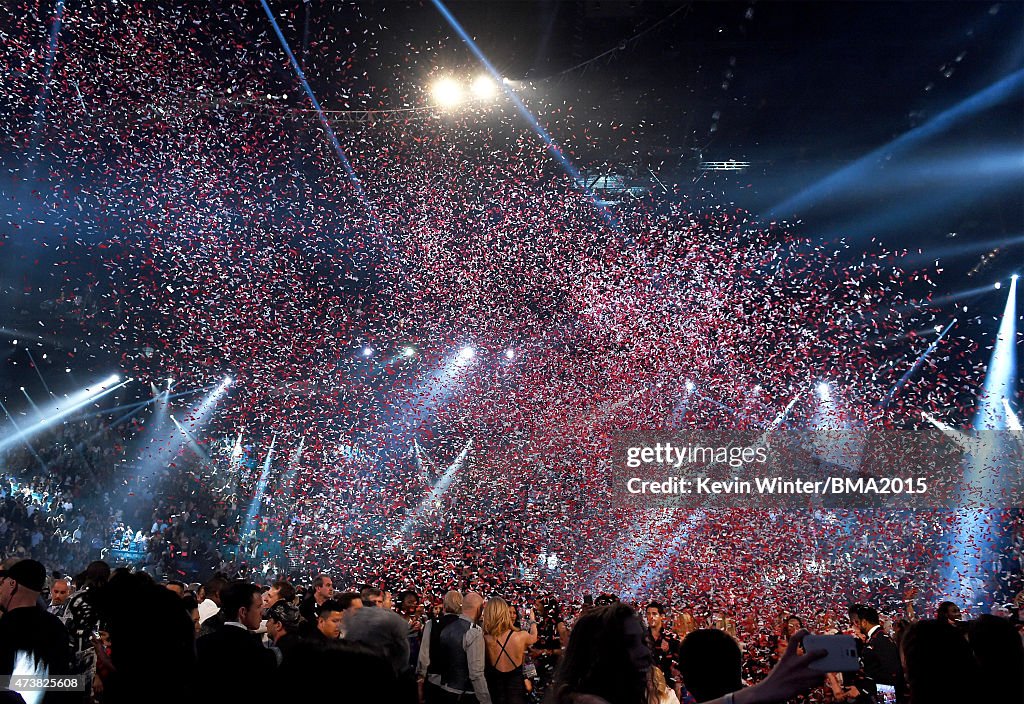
{"points": [[65, 407], [328, 130], [261, 488], [859, 170], [914, 368]]}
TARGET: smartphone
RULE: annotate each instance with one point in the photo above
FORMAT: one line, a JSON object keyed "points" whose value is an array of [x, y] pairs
{"points": [[885, 694], [842, 653]]}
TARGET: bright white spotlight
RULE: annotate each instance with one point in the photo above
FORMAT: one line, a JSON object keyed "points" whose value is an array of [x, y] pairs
{"points": [[467, 353], [824, 392], [446, 92], [690, 386], [367, 351], [66, 406], [408, 352], [510, 354], [484, 88], [999, 285], [228, 381]]}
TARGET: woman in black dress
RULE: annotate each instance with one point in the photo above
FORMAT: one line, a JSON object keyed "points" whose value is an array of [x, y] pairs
{"points": [[506, 649]]}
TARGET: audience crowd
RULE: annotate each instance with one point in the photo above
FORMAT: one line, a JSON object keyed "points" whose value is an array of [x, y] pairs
{"points": [[123, 636], [462, 623]]}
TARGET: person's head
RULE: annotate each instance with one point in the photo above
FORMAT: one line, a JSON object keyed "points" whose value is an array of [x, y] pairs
{"points": [[349, 602], [684, 623], [791, 626], [865, 619], [452, 602], [241, 602], [282, 618], [408, 602], [21, 584], [372, 596], [178, 588], [323, 588], [655, 614], [1000, 655], [899, 628], [279, 591], [59, 592], [213, 588], [329, 619], [854, 612], [192, 609], [658, 686], [606, 656], [938, 663], [96, 574], [710, 662], [472, 606], [497, 618], [948, 612]]}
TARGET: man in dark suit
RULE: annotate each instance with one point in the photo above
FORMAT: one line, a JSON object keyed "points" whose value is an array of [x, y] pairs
{"points": [[232, 661], [879, 656]]}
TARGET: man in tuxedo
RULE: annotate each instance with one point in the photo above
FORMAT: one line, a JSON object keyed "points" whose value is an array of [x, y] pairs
{"points": [[879, 656], [232, 661]]}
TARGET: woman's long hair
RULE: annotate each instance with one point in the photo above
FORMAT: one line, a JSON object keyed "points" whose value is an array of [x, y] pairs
{"points": [[497, 617], [598, 660]]}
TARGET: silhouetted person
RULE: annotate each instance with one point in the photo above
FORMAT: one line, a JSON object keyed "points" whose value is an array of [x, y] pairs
{"points": [[710, 662], [232, 661], [938, 664], [152, 641]]}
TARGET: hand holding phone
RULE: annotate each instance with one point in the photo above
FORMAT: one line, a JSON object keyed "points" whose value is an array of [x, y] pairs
{"points": [[841, 649]]}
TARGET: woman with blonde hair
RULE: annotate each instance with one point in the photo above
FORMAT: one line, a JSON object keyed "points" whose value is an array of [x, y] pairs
{"points": [[506, 649], [658, 691], [684, 624]]}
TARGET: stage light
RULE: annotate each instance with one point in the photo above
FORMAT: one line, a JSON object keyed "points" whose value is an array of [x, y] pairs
{"points": [[435, 495], [510, 354], [408, 352], [1000, 379], [466, 353], [446, 92], [999, 285], [690, 386], [824, 392], [1015, 277], [367, 351], [228, 381], [986, 469], [484, 88], [65, 407], [554, 149]]}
